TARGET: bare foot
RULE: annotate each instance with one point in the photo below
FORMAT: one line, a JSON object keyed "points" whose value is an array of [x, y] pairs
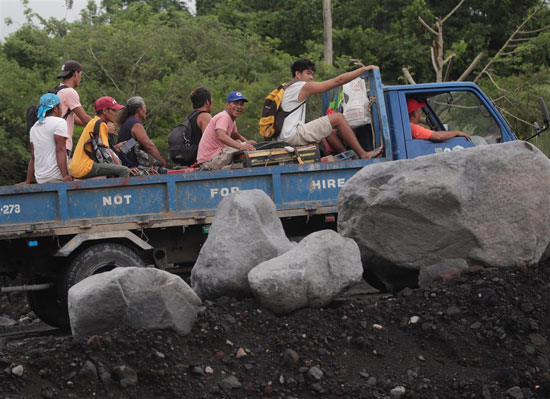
{"points": [[373, 154]]}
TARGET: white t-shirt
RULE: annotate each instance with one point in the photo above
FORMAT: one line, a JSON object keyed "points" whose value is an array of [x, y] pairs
{"points": [[42, 139], [290, 102]]}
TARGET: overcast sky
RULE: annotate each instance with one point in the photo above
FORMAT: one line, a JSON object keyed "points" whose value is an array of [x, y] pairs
{"points": [[47, 8]]}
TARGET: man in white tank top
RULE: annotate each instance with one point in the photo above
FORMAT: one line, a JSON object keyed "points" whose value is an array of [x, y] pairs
{"points": [[296, 131]]}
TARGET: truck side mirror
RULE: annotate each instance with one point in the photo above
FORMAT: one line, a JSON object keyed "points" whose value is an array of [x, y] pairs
{"points": [[544, 111], [545, 119]]}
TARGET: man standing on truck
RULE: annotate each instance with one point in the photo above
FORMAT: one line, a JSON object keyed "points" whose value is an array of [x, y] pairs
{"points": [[48, 136], [414, 108], [296, 131], [221, 138], [71, 73]]}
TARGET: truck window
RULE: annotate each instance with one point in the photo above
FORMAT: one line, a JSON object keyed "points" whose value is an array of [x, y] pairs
{"points": [[463, 111]]}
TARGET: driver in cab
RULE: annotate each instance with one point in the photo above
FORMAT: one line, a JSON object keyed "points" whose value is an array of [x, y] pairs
{"points": [[414, 108]]}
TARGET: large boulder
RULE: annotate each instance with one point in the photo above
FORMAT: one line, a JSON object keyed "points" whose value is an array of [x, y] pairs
{"points": [[312, 274], [141, 298], [487, 205], [245, 233]]}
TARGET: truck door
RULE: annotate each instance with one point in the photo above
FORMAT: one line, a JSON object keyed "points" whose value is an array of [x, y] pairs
{"points": [[460, 110]]}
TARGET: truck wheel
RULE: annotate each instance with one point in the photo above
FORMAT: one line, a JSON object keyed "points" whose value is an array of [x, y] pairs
{"points": [[48, 305], [99, 258]]}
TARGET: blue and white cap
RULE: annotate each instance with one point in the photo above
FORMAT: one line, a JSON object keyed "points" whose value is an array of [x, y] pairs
{"points": [[47, 102], [235, 96]]}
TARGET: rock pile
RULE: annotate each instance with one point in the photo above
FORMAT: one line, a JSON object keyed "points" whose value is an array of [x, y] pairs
{"points": [[483, 335]]}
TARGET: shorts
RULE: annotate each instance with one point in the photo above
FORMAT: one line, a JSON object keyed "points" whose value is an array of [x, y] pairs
{"points": [[224, 158], [312, 132]]}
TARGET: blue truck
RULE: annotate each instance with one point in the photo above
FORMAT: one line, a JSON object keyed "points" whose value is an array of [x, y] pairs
{"points": [[54, 235]]}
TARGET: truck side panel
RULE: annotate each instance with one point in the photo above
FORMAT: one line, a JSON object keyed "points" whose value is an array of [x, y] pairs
{"points": [[169, 200]]}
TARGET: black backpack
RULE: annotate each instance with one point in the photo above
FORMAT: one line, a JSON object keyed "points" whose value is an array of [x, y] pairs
{"points": [[100, 152], [181, 143], [32, 111]]}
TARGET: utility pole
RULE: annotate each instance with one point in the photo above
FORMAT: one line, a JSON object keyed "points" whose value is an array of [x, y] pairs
{"points": [[327, 24]]}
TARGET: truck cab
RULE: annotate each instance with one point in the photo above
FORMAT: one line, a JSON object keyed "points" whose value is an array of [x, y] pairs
{"points": [[450, 106]]}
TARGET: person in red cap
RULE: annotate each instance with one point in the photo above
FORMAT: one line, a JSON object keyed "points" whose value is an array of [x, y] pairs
{"points": [[84, 163], [414, 107]]}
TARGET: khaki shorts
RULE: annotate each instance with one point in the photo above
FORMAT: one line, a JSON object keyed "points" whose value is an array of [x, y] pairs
{"points": [[312, 132], [224, 158]]}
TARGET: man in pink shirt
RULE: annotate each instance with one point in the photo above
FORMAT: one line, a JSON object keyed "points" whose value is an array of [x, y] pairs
{"points": [[71, 110], [414, 107], [221, 138]]}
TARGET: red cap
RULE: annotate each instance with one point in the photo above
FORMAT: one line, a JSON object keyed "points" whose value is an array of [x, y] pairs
{"points": [[106, 102], [413, 104]]}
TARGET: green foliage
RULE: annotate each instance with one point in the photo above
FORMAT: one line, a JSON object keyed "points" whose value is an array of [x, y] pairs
{"points": [[17, 85], [517, 99]]}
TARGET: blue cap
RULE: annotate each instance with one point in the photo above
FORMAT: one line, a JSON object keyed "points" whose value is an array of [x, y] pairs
{"points": [[235, 96], [47, 102]]}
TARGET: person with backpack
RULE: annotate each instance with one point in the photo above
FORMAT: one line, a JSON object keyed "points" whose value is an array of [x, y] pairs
{"points": [[130, 120], [71, 109], [47, 141], [184, 139], [221, 138], [199, 118], [92, 156], [296, 131]]}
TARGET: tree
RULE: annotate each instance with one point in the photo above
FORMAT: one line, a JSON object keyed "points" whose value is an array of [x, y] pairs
{"points": [[327, 24], [436, 50]]}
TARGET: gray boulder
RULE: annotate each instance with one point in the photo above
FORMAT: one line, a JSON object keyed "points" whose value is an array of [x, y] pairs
{"points": [[448, 267], [487, 205], [313, 273], [136, 297], [245, 233]]}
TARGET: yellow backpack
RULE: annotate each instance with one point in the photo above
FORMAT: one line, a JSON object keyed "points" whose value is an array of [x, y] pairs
{"points": [[273, 117]]}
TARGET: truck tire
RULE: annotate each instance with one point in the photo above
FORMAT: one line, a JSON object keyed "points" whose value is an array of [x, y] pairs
{"points": [[99, 258], [48, 305]]}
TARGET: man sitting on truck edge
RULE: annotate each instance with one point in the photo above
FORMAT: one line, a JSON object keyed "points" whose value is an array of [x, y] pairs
{"points": [[221, 138], [48, 137], [296, 131], [414, 108], [84, 167]]}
